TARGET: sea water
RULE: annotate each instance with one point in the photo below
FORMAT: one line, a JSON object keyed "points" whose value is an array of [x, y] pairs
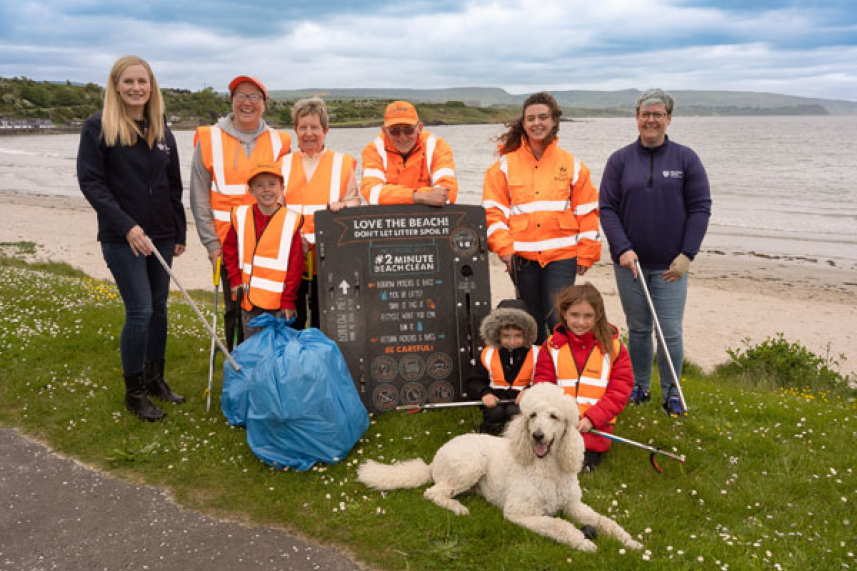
{"points": [[781, 186]]}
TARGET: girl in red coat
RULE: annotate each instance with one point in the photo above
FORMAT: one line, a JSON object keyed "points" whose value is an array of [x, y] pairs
{"points": [[584, 357]]}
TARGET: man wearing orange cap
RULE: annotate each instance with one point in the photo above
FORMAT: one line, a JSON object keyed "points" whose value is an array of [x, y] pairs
{"points": [[222, 156], [406, 165]]}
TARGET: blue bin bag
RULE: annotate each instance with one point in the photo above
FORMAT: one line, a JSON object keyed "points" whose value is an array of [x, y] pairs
{"points": [[304, 408], [248, 355]]}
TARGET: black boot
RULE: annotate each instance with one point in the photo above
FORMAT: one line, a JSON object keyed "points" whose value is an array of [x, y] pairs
{"points": [[137, 400], [153, 373]]}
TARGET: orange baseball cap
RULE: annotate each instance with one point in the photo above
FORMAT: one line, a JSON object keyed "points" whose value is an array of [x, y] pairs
{"points": [[247, 79], [400, 112], [275, 168]]}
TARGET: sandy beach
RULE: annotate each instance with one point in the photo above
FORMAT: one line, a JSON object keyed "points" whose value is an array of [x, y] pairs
{"points": [[731, 297]]}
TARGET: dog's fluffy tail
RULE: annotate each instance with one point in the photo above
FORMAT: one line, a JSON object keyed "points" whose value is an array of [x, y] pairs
{"points": [[409, 474]]}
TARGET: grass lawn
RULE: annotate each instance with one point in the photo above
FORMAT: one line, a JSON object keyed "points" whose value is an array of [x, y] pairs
{"points": [[769, 481]]}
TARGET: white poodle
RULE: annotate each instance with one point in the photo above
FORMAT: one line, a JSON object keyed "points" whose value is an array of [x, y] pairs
{"points": [[531, 472]]}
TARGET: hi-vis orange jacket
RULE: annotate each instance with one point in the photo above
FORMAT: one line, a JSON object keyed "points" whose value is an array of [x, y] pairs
{"points": [[389, 179], [492, 364], [224, 158], [587, 386], [542, 210], [328, 185], [264, 265]]}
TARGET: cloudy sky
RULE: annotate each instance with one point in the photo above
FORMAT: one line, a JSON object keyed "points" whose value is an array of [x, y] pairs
{"points": [[796, 47]]}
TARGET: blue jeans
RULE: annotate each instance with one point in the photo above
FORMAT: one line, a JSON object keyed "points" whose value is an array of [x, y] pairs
{"points": [[669, 300], [538, 286], [144, 287]]}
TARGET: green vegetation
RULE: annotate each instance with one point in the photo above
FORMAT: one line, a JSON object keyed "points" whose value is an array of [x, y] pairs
{"points": [[769, 482]]}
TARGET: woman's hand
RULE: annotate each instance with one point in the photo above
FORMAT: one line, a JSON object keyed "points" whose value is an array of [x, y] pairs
{"points": [[179, 250], [138, 241], [490, 400], [628, 260], [507, 259]]}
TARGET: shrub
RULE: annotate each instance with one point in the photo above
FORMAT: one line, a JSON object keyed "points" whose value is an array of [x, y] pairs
{"points": [[786, 365]]}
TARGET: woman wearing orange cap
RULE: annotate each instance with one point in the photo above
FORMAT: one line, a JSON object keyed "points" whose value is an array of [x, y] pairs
{"points": [[542, 210], [128, 170]]}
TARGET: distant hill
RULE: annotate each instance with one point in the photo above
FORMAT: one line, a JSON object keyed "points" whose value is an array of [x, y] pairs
{"points": [[604, 103]]}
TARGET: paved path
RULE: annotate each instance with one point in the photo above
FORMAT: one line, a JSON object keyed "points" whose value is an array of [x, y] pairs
{"points": [[57, 514]]}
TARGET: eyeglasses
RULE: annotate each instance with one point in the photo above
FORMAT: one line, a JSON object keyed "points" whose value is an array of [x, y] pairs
{"points": [[253, 97], [407, 130], [651, 115]]}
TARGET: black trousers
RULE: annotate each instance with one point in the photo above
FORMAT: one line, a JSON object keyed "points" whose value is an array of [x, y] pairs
{"points": [[232, 326], [306, 305], [494, 419]]}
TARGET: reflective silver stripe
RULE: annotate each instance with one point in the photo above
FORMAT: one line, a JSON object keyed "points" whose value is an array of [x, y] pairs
{"points": [[585, 208], [592, 381], [442, 173], [375, 194], [241, 217], [486, 362], [552, 244], [287, 168], [310, 238], [486, 204], [311, 209], [382, 152], [269, 285], [335, 177], [540, 206], [497, 226], [276, 144], [586, 400], [566, 382], [281, 262], [591, 235], [504, 168], [218, 182], [221, 215], [375, 173], [431, 143], [576, 171]]}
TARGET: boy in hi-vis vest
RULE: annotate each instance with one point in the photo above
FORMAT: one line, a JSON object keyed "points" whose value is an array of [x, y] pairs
{"points": [[585, 357], [506, 365], [263, 252]]}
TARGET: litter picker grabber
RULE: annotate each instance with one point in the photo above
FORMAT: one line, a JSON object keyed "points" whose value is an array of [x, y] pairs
{"points": [[211, 331], [412, 408], [654, 451], [213, 351], [660, 332]]}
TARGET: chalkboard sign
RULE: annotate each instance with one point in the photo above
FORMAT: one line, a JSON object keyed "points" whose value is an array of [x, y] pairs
{"points": [[402, 291]]}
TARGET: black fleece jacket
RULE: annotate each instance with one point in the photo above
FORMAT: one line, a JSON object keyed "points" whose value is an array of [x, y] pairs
{"points": [[132, 185]]}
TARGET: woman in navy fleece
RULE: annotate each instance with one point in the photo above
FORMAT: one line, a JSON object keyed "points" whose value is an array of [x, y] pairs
{"points": [[655, 203]]}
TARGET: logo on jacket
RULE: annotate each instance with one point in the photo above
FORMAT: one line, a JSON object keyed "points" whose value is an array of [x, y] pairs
{"points": [[673, 174], [164, 148], [562, 174]]}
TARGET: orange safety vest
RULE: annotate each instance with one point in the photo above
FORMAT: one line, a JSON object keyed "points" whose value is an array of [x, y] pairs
{"points": [[264, 265], [543, 210], [588, 386], [328, 185], [223, 157], [491, 362], [429, 164]]}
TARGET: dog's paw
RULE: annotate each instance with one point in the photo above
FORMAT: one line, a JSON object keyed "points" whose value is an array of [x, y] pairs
{"points": [[634, 545], [460, 510], [587, 546]]}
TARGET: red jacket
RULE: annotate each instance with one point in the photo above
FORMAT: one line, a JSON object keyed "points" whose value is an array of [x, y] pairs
{"points": [[618, 387], [296, 260]]}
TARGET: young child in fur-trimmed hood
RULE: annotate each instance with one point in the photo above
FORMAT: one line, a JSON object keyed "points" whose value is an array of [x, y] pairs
{"points": [[506, 365], [584, 356]]}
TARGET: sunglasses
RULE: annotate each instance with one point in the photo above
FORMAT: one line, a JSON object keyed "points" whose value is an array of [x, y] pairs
{"points": [[401, 130]]}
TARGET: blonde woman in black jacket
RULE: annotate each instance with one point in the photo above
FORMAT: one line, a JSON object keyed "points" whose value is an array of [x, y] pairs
{"points": [[128, 170]]}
